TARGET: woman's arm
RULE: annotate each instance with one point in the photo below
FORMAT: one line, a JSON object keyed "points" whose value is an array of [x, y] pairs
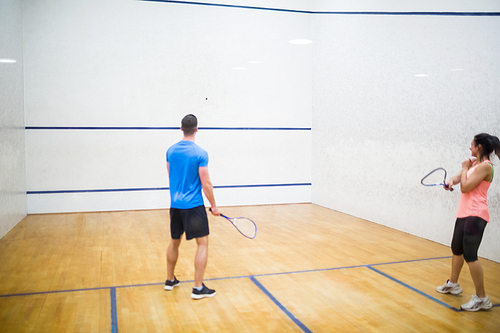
{"points": [[482, 172], [453, 181]]}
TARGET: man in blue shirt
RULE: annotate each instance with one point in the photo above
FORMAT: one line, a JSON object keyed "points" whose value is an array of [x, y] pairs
{"points": [[187, 166]]}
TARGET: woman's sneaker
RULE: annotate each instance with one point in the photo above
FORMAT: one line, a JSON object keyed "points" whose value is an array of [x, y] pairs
{"points": [[477, 303], [449, 288], [204, 292], [169, 285]]}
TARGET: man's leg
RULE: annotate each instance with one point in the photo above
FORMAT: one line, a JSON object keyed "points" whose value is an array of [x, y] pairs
{"points": [[172, 256], [200, 260]]}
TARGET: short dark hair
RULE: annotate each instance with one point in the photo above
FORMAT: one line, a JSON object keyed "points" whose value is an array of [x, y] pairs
{"points": [[189, 124]]}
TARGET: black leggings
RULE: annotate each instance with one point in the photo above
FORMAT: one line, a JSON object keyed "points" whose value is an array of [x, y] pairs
{"points": [[467, 237]]}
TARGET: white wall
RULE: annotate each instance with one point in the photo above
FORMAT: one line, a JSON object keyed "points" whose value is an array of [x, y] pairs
{"points": [[378, 128], [147, 64], [12, 152]]}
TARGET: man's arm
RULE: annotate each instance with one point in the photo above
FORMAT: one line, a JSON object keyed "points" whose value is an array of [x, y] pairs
{"points": [[208, 189]]}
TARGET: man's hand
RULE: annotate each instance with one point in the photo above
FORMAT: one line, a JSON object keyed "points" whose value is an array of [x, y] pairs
{"points": [[215, 211]]}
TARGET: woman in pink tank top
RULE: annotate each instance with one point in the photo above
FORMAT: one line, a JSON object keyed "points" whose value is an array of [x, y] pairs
{"points": [[472, 217]]}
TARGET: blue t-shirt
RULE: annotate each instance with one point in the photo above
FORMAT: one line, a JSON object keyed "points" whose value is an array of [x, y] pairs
{"points": [[184, 158]]}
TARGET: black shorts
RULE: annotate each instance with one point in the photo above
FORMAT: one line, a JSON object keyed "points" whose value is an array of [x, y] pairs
{"points": [[193, 221], [467, 237]]}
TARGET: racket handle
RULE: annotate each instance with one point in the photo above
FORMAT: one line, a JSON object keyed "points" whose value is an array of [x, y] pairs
{"points": [[210, 209]]}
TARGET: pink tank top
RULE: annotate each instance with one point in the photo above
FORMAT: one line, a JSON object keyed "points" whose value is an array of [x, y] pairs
{"points": [[474, 203]]}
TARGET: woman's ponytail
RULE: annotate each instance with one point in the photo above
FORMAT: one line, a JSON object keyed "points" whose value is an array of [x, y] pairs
{"points": [[489, 143], [496, 145]]}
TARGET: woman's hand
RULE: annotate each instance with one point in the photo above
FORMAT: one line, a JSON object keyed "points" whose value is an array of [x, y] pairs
{"points": [[448, 186], [482, 172], [467, 164]]}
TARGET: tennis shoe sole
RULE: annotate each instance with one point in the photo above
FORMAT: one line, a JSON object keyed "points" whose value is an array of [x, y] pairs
{"points": [[476, 304], [200, 296], [172, 286]]}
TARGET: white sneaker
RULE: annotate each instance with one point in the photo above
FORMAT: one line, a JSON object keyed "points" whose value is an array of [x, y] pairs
{"points": [[449, 288], [477, 303]]}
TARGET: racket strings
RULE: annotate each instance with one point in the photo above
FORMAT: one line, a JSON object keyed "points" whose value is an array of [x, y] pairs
{"points": [[245, 226]]}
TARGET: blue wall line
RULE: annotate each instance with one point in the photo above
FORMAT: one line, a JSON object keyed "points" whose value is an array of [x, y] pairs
{"points": [[298, 11], [231, 6], [414, 13], [160, 188], [99, 190], [281, 306], [145, 128]]}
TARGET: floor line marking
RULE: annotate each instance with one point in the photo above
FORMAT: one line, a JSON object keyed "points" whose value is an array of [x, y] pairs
{"points": [[114, 315], [281, 306], [414, 289], [221, 278]]}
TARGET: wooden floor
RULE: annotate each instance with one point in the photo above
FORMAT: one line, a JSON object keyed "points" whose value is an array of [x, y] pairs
{"points": [[309, 269]]}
